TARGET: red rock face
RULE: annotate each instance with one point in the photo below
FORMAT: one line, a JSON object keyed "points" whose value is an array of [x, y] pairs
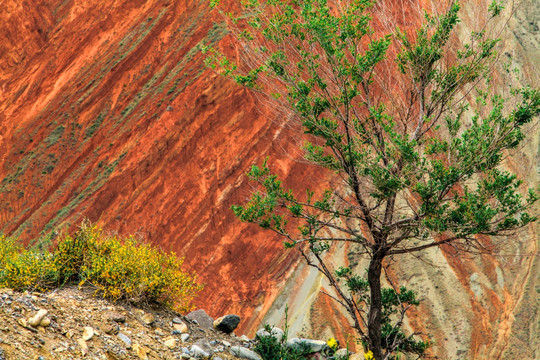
{"points": [[107, 113]]}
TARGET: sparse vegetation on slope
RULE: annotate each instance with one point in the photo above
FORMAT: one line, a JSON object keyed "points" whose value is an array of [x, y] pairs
{"points": [[117, 268]]}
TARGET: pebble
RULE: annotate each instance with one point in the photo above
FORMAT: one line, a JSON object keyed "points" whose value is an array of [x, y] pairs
{"points": [[110, 329], [148, 319], [140, 351], [170, 342], [184, 337], [125, 339], [88, 333], [45, 322], [83, 345], [181, 327], [198, 353], [117, 317], [36, 319], [245, 338]]}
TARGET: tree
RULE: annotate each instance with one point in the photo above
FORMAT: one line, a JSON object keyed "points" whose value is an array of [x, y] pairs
{"points": [[412, 122]]}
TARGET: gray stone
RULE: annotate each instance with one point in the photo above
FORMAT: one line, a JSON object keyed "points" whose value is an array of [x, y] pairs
{"points": [[125, 339], [198, 353], [245, 338], [202, 318], [342, 354], [116, 316], [311, 346], [227, 323], [205, 345], [275, 332], [184, 337], [244, 353], [177, 320]]}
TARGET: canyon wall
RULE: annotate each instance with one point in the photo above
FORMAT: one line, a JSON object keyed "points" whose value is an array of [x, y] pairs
{"points": [[107, 113]]}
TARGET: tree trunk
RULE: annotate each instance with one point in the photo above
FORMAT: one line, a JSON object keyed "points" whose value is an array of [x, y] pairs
{"points": [[374, 316]]}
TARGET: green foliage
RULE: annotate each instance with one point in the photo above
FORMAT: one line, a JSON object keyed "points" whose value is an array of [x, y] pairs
{"points": [[95, 125], [55, 135], [412, 121], [21, 269], [116, 268], [270, 348], [393, 307]]}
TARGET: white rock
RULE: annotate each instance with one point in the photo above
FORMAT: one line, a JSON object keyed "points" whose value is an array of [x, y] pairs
{"points": [[276, 332], [184, 337], [170, 342], [183, 328], [88, 333], [312, 346], [198, 353], [36, 319], [83, 345], [242, 352], [125, 339], [342, 354], [45, 322]]}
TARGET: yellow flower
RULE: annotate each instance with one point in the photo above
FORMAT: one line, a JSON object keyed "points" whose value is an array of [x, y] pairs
{"points": [[368, 355], [332, 343]]}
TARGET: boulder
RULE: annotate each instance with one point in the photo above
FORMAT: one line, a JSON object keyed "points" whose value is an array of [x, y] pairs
{"points": [[227, 323], [244, 353], [201, 318]]}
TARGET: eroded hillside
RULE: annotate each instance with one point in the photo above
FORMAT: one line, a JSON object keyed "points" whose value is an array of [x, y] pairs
{"points": [[107, 112]]}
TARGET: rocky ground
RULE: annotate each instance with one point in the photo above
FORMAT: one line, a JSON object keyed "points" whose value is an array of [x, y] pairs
{"points": [[72, 324]]}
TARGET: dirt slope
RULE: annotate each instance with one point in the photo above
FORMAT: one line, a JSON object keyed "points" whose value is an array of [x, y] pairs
{"points": [[107, 112]]}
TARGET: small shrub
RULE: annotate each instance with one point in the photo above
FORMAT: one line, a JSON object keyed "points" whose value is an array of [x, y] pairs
{"points": [[117, 268], [131, 270], [22, 269], [270, 348]]}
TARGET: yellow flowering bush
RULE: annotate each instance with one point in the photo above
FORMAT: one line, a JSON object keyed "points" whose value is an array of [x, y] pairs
{"points": [[368, 355], [117, 268], [22, 269], [131, 270]]}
